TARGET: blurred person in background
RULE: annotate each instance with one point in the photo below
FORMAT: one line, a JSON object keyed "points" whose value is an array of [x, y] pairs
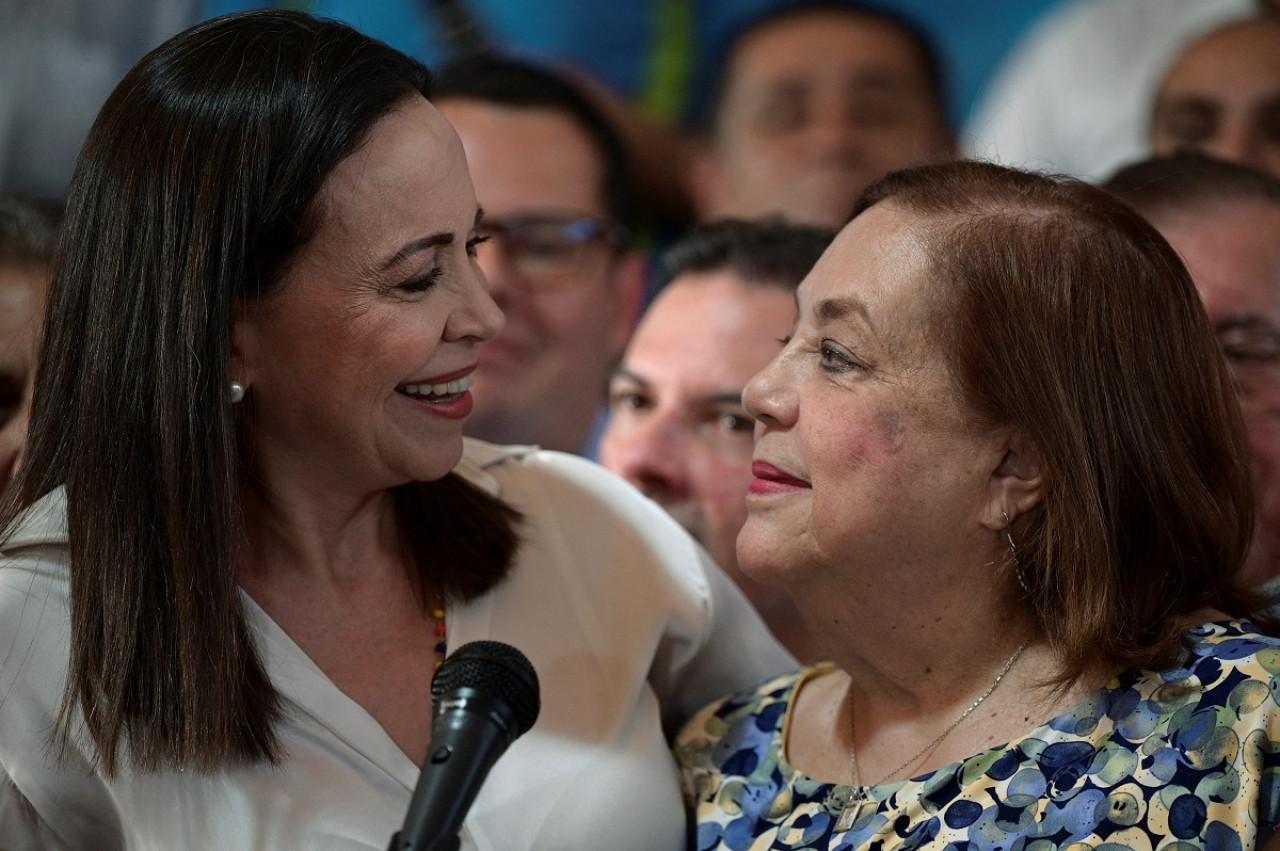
{"points": [[28, 236], [553, 180], [1074, 94], [677, 429], [812, 102], [1223, 219], [1221, 96]]}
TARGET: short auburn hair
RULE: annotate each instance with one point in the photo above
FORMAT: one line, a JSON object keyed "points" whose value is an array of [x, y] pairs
{"points": [[1068, 317]]}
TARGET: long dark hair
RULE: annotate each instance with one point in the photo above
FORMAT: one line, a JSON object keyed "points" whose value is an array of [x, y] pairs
{"points": [[1067, 316], [195, 188]]}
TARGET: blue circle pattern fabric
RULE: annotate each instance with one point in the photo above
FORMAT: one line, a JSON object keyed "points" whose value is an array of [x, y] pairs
{"points": [[1182, 759]]}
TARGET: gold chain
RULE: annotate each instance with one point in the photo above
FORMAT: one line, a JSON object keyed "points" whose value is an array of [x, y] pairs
{"points": [[853, 807]]}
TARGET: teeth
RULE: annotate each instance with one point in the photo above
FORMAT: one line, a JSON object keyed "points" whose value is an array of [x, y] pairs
{"points": [[449, 388]]}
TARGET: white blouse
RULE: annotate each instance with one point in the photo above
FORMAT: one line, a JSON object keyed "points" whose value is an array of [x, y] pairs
{"points": [[628, 624]]}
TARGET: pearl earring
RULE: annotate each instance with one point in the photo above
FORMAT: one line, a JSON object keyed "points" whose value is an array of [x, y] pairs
{"points": [[237, 392]]}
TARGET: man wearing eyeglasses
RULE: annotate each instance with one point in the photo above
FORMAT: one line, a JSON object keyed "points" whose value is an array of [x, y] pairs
{"points": [[1224, 220], [552, 180]]}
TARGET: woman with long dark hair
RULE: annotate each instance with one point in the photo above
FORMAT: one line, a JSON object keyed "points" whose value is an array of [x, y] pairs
{"points": [[248, 527]]}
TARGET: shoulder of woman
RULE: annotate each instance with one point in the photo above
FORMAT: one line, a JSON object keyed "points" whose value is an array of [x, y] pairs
{"points": [[34, 573], [43, 523], [549, 483], [762, 708]]}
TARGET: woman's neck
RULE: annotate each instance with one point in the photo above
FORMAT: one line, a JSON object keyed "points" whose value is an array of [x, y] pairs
{"points": [[319, 538]]}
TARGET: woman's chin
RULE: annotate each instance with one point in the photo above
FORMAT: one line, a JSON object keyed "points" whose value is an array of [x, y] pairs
{"points": [[440, 462], [763, 558]]}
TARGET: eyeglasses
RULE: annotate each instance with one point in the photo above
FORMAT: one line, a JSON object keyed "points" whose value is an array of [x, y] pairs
{"points": [[546, 251]]}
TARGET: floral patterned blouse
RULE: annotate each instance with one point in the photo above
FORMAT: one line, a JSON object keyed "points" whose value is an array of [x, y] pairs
{"points": [[1184, 759]]}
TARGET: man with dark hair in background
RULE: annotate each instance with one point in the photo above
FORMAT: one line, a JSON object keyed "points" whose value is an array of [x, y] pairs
{"points": [[559, 211], [677, 428]]}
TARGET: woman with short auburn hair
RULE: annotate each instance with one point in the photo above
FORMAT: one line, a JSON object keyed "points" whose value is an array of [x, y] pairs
{"points": [[1001, 469]]}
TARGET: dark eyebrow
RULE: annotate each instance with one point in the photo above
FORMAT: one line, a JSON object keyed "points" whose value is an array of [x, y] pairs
{"points": [[723, 397], [426, 242], [833, 309], [431, 241], [627, 375]]}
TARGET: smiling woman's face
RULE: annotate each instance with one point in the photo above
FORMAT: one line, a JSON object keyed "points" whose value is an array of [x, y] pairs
{"points": [[358, 365], [866, 460]]}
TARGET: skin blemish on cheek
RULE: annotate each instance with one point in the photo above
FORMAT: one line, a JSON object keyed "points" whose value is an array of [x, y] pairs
{"points": [[891, 431]]}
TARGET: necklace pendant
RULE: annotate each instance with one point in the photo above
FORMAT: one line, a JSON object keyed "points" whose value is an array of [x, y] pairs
{"points": [[852, 810]]}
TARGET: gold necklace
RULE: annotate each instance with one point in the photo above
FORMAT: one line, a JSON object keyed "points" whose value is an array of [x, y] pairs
{"points": [[859, 797]]}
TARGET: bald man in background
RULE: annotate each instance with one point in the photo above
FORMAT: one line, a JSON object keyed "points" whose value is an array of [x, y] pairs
{"points": [[1221, 96]]}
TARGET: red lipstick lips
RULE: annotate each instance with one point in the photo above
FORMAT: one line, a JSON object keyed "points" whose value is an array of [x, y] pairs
{"points": [[449, 376], [770, 479], [444, 396]]}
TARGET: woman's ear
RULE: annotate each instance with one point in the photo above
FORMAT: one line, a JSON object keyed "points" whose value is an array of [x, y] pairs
{"points": [[1017, 483]]}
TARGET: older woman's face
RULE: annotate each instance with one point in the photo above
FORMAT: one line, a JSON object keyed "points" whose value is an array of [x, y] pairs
{"points": [[865, 457], [357, 367]]}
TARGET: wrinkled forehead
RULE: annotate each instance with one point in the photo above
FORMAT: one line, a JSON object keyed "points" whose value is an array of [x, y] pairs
{"points": [[877, 271]]}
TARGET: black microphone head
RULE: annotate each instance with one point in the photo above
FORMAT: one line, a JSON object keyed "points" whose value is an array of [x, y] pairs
{"points": [[496, 669]]}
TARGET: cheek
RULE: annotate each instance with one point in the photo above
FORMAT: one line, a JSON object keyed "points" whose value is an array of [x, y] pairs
{"points": [[612, 440], [1259, 395], [764, 157], [856, 447], [360, 351], [890, 432], [724, 487], [1264, 437], [574, 319], [372, 357]]}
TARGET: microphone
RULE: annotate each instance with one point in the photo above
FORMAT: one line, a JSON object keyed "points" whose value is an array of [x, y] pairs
{"points": [[484, 696]]}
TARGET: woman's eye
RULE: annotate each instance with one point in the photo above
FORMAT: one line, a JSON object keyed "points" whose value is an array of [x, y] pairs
{"points": [[422, 283], [475, 242], [835, 359]]}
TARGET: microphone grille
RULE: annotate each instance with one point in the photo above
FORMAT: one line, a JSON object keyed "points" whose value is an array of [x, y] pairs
{"points": [[496, 669]]}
